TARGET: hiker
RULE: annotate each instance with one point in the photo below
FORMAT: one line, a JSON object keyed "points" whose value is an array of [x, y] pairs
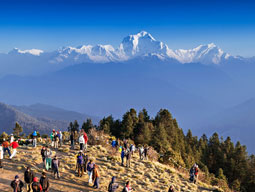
{"points": [[12, 138], [55, 167], [14, 146], [43, 150], [128, 158], [192, 174], [60, 136], [86, 140], [123, 153], [52, 138], [114, 143], [48, 161], [90, 168], [113, 186], [28, 178], [56, 141], [85, 161], [95, 177], [36, 186], [72, 140], [34, 138], [127, 187], [171, 189], [146, 149], [81, 142], [1, 156], [17, 184], [44, 182], [79, 164], [132, 149], [196, 172], [6, 147], [141, 150]]}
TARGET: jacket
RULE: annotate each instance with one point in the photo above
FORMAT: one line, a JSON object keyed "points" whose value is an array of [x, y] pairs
{"points": [[14, 145], [113, 186], [90, 167], [17, 186], [81, 139], [85, 137], [43, 152], [55, 163], [95, 173], [28, 176], [1, 152], [5, 144], [44, 181]]}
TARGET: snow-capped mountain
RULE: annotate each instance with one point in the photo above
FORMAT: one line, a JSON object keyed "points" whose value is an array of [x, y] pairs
{"points": [[141, 44]]}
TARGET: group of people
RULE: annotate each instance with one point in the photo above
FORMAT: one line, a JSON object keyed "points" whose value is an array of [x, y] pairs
{"points": [[33, 184], [6, 147], [56, 139], [193, 173]]}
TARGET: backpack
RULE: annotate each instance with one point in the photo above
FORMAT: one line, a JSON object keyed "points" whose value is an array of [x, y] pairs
{"points": [[36, 187], [80, 160]]}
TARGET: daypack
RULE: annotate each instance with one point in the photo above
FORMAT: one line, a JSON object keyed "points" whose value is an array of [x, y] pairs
{"points": [[36, 187], [80, 160]]}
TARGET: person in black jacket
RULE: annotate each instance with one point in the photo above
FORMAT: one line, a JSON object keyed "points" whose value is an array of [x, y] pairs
{"points": [[44, 181], [28, 177], [43, 150], [17, 184], [171, 189]]}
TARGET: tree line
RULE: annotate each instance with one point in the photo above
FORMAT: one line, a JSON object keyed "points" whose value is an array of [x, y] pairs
{"points": [[227, 163]]}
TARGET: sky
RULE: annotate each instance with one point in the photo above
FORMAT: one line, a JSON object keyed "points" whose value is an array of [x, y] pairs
{"points": [[49, 24]]}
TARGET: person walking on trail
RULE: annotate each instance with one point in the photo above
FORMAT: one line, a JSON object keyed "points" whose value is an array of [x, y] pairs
{"points": [[85, 140], [44, 182], [196, 172], [34, 138], [55, 167], [141, 150], [17, 185], [192, 173], [43, 150], [14, 146], [1, 157], [6, 147], [28, 178], [127, 187], [72, 140], [95, 177], [90, 168], [60, 135], [36, 186], [52, 138], [146, 149], [81, 142], [85, 162], [132, 149], [171, 189], [113, 186], [56, 141], [12, 138], [128, 158], [48, 161], [123, 154], [79, 164]]}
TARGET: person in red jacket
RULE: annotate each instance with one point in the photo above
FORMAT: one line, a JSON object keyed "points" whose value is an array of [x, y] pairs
{"points": [[36, 186], [14, 146], [86, 140]]}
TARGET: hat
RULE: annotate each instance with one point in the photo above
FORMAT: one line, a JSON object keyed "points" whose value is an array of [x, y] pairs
{"points": [[16, 177], [35, 179]]}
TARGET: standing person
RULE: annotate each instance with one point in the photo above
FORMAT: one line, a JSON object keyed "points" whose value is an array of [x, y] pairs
{"points": [[113, 186], [52, 138], [36, 186], [196, 173], [43, 150], [55, 167], [127, 187], [81, 141], [171, 189], [79, 164], [72, 140], [90, 168], [1, 156], [85, 140], [146, 149], [6, 147], [48, 155], [128, 158], [14, 146], [56, 141], [123, 153], [141, 150], [95, 177], [85, 161], [44, 182], [60, 138], [28, 178], [17, 184], [12, 138], [34, 138]]}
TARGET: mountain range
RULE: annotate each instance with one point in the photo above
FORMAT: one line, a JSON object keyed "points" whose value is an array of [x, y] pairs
{"points": [[199, 86]]}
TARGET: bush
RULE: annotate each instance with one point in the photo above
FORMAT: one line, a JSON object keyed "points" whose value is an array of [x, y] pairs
{"points": [[44, 136]]}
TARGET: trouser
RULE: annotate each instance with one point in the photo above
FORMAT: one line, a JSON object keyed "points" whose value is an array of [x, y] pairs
{"points": [[60, 142], [81, 146], [8, 150], [29, 187], [55, 171], [85, 147], [72, 144], [96, 183], [34, 142], [90, 176], [1, 163], [48, 164], [80, 170], [122, 161], [44, 161], [14, 151], [128, 162], [56, 144], [52, 143]]}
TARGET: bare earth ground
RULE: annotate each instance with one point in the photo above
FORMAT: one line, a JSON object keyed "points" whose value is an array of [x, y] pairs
{"points": [[144, 175]]}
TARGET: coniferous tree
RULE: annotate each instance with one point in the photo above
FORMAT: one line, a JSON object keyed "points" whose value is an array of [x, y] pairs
{"points": [[17, 130], [86, 126]]}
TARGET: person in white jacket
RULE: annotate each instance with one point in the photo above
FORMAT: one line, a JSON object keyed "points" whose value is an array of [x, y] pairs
{"points": [[82, 142], [12, 138], [1, 156]]}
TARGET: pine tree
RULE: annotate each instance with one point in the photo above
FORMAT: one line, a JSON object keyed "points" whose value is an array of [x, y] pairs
{"points": [[160, 142], [17, 130], [86, 126]]}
